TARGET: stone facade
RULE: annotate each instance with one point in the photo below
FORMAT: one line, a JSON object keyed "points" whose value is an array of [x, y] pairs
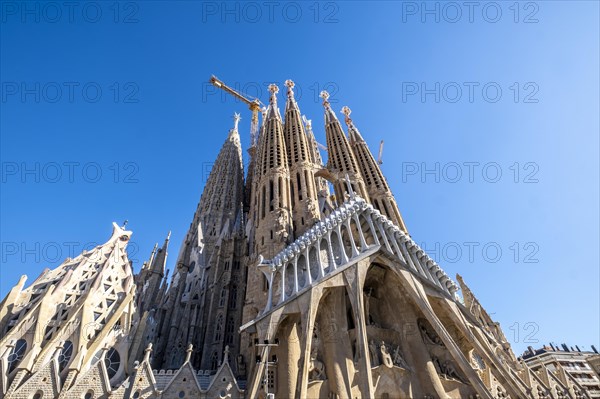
{"points": [[279, 289]]}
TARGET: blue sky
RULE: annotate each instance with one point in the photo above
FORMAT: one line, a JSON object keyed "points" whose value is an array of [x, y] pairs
{"points": [[489, 117]]}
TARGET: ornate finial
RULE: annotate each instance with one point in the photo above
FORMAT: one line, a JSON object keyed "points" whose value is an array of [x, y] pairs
{"points": [[290, 85], [125, 224], [263, 111], [325, 96], [347, 111], [188, 354], [147, 352], [168, 237], [274, 89], [236, 120], [226, 354]]}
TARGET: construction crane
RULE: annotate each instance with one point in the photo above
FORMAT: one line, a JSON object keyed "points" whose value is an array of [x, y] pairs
{"points": [[380, 157], [253, 105]]}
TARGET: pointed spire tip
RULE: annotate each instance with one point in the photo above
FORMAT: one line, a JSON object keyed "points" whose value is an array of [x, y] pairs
{"points": [[290, 85], [347, 111], [236, 120], [274, 89], [325, 96]]}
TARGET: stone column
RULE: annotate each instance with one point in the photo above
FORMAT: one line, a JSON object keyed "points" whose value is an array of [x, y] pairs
{"points": [[355, 283], [289, 348], [308, 324], [336, 344]]}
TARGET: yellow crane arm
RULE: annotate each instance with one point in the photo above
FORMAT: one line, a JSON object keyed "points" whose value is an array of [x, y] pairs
{"points": [[254, 106]]}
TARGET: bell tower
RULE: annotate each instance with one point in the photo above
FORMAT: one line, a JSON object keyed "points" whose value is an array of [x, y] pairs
{"points": [[379, 191], [303, 187]]}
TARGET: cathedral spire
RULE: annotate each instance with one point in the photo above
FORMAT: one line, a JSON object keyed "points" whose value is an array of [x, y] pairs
{"points": [[236, 121], [329, 114], [222, 194], [271, 185], [341, 159], [273, 109], [160, 259], [291, 100], [234, 134], [379, 191], [270, 211], [148, 264], [353, 132], [304, 192]]}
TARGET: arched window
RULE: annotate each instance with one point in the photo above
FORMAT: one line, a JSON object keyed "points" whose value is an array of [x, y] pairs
{"points": [[38, 395], [219, 328], [16, 354], [65, 354], [112, 361], [192, 267], [89, 395]]}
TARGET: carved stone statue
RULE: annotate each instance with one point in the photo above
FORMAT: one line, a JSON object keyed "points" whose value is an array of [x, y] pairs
{"points": [[280, 229], [312, 209], [446, 369], [386, 359], [316, 369], [449, 370], [429, 337]]}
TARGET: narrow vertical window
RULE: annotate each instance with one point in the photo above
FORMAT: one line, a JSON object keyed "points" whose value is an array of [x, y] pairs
{"points": [[281, 192], [299, 186], [292, 195], [271, 195]]}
